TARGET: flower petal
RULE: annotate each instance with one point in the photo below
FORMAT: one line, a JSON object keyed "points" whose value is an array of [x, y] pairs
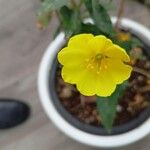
{"points": [[119, 71], [93, 84], [80, 41], [87, 84], [72, 74], [106, 89], [99, 43], [71, 57], [105, 85], [77, 50], [115, 51]]}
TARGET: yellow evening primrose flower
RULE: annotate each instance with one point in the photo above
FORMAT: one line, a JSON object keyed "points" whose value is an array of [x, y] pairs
{"points": [[122, 36], [94, 64]]}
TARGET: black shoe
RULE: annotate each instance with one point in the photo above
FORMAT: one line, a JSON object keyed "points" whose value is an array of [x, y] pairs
{"points": [[12, 113]]}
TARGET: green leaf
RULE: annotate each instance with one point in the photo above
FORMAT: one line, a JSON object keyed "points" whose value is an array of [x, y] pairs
{"points": [[130, 44], [70, 20], [51, 5], [106, 106], [102, 19], [136, 42], [100, 16], [108, 4], [127, 45], [88, 4], [90, 28], [47, 6]]}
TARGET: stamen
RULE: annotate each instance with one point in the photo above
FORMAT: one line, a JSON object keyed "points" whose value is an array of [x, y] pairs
{"points": [[99, 68], [98, 72], [95, 62], [90, 66], [98, 56], [105, 66]]}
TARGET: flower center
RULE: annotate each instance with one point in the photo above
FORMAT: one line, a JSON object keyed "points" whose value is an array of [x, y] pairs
{"points": [[95, 62], [98, 57]]}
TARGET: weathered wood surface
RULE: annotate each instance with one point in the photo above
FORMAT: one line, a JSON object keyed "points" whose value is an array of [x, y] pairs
{"points": [[21, 49]]}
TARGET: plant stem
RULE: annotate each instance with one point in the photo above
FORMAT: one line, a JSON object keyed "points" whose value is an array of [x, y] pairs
{"points": [[58, 17], [141, 71], [73, 3], [80, 4], [120, 14], [145, 89]]}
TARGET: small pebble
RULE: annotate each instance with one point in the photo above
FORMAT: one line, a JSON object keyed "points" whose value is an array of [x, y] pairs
{"points": [[138, 99], [94, 112], [140, 78], [135, 87], [135, 53], [129, 109], [147, 65], [148, 81], [119, 108], [87, 120], [61, 82], [86, 112], [145, 104], [66, 92], [91, 119]]}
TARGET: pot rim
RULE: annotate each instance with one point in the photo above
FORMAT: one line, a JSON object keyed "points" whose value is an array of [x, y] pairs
{"points": [[87, 138]]}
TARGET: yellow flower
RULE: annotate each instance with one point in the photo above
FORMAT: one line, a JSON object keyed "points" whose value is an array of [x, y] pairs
{"points": [[122, 36], [94, 64]]}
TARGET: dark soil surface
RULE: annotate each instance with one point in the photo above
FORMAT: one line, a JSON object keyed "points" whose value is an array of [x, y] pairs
{"points": [[135, 99]]}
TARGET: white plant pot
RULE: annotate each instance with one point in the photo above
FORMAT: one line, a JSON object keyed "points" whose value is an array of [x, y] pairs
{"points": [[67, 128]]}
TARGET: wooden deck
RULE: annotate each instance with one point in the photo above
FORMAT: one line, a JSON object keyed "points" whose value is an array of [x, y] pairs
{"points": [[21, 48]]}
